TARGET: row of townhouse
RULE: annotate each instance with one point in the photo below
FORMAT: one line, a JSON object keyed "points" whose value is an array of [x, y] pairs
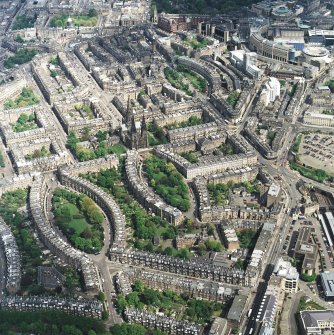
{"points": [[54, 242], [166, 324], [192, 268], [89, 308], [104, 201], [196, 288], [12, 255], [145, 195]]}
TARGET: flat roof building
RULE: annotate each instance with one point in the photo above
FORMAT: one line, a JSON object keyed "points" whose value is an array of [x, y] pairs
{"points": [[327, 283], [315, 322]]}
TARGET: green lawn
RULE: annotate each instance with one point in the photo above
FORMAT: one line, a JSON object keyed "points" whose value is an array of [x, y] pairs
{"points": [[310, 305], [78, 224], [79, 219], [87, 20], [195, 42], [118, 149]]}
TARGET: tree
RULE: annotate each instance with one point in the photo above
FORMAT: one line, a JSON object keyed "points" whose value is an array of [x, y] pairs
{"points": [[213, 245], [138, 286], [72, 141], [85, 134], [121, 303], [92, 12], [71, 280], [101, 296], [71, 330], [201, 249], [210, 229]]}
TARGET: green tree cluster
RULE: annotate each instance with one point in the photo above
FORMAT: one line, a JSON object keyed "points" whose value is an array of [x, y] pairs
{"points": [[133, 329], [190, 156], [26, 98], [226, 149], [196, 42], [25, 122], [156, 135], [49, 322], [79, 219], [308, 278], [31, 255], [233, 98], [177, 80], [38, 153], [202, 6], [318, 175], [20, 57], [247, 238], [23, 22], [145, 226], [219, 192], [55, 61], [168, 302], [86, 154], [167, 182], [2, 160], [192, 121], [19, 39]]}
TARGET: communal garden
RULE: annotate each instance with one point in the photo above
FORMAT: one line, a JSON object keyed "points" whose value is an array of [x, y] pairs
{"points": [[226, 149], [25, 99], [25, 122], [156, 134], [11, 204], [184, 80], [192, 121], [190, 157], [233, 98], [196, 42], [79, 219], [38, 153], [49, 322], [145, 226], [167, 182], [23, 22], [21, 56], [87, 20], [171, 304], [102, 149], [247, 238], [219, 192]]}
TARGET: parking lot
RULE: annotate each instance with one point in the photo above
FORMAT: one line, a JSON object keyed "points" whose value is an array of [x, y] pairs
{"points": [[317, 151]]}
